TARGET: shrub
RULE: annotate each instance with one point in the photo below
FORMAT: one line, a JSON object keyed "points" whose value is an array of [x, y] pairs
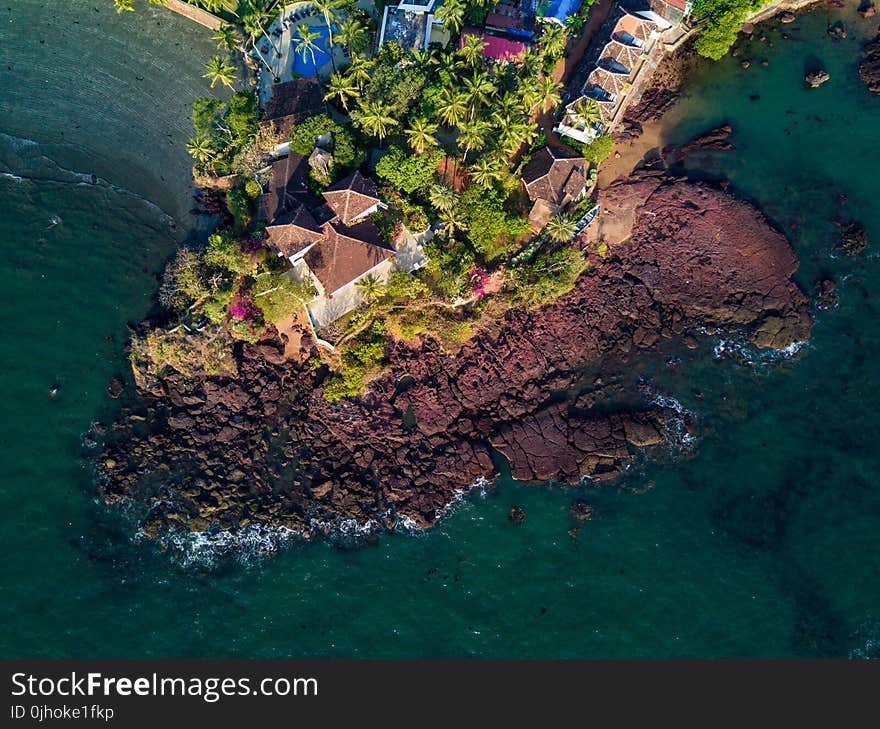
{"points": [[183, 282], [253, 189], [226, 255]]}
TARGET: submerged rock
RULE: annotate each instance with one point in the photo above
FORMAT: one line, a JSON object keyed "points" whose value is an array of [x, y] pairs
{"points": [[853, 238], [867, 10], [517, 515], [869, 68], [837, 30], [581, 510], [115, 388]]}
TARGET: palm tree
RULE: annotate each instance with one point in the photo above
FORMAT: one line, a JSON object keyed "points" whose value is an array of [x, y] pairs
{"points": [[450, 223], [420, 134], [549, 90], [478, 90], [473, 135], [451, 106], [472, 50], [124, 6], [219, 69], [200, 148], [253, 25], [359, 70], [328, 9], [516, 134], [529, 93], [253, 28], [451, 14], [560, 228], [369, 287], [306, 45], [485, 171], [586, 111], [354, 35], [373, 117], [226, 37], [342, 88], [442, 197], [530, 61], [552, 41]]}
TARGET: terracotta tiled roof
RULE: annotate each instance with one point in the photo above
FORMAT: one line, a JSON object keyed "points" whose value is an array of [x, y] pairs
{"points": [[346, 253], [292, 102], [627, 56], [554, 173], [352, 197], [292, 232], [638, 28], [290, 177]]}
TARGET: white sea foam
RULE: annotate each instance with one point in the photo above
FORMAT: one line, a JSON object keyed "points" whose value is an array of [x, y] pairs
{"points": [[207, 549], [743, 350], [675, 425]]}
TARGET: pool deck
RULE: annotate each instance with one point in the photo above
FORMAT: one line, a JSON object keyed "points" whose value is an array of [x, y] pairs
{"points": [[284, 26]]}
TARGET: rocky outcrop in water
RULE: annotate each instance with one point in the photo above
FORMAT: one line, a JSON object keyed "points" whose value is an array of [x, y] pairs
{"points": [[869, 68], [815, 79], [266, 448]]}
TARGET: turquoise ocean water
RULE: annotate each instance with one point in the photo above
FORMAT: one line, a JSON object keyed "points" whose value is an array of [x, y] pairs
{"points": [[763, 539]]}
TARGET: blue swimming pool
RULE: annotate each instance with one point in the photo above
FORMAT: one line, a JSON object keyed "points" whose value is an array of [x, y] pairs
{"points": [[308, 66]]}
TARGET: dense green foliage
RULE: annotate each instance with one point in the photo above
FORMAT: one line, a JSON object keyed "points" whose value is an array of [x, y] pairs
{"points": [[546, 277], [361, 356], [221, 130], [723, 21], [489, 227], [409, 172]]}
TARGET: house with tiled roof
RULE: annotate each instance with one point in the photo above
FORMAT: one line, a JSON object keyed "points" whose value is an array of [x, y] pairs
{"points": [[554, 177], [353, 198], [333, 244], [288, 181]]}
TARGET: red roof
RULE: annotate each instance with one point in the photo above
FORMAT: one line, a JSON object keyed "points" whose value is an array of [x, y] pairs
{"points": [[500, 49]]}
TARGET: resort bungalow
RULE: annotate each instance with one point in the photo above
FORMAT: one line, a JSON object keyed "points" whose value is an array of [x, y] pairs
{"points": [[618, 65], [554, 177]]}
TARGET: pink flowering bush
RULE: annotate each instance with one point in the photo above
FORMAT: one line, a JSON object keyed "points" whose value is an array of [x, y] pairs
{"points": [[479, 279], [242, 309]]}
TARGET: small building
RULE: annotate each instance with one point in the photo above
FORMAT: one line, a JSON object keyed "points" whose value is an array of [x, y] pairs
{"points": [[288, 181], [554, 177], [510, 18], [496, 48], [672, 12], [412, 25]]}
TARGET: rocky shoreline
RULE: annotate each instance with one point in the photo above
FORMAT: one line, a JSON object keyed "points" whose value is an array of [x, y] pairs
{"points": [[266, 448]]}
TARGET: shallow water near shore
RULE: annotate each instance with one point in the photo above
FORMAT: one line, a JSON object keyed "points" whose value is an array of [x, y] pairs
{"points": [[763, 539]]}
